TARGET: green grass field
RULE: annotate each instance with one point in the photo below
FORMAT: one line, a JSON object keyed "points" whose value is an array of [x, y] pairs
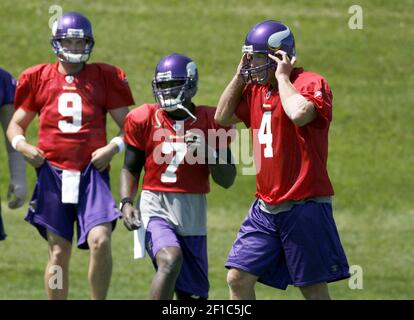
{"points": [[371, 138]]}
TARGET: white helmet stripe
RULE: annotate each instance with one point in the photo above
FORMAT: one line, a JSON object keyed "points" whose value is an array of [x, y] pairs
{"points": [[275, 40], [191, 69]]}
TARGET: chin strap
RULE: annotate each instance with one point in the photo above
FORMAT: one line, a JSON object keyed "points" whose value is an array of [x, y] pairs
{"points": [[180, 106], [66, 56], [158, 125], [73, 57]]}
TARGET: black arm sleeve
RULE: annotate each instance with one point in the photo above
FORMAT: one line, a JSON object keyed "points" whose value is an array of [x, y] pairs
{"points": [[134, 159], [224, 170]]}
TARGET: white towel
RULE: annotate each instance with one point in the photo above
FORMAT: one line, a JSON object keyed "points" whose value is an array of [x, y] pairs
{"points": [[139, 240], [70, 186]]}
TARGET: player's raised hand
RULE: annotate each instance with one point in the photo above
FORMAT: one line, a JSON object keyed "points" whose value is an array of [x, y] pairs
{"points": [[131, 217], [102, 157], [284, 64], [32, 154], [242, 62]]}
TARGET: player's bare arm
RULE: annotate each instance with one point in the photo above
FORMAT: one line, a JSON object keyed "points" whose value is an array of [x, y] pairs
{"points": [[16, 130], [17, 191], [300, 110], [119, 115], [102, 157], [129, 180], [230, 98]]}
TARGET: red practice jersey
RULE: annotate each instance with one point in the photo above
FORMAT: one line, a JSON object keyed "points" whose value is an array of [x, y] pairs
{"points": [[72, 109], [167, 168], [291, 161]]}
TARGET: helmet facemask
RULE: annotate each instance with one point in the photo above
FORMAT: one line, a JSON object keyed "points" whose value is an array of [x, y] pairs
{"points": [[169, 94], [256, 68], [70, 55]]}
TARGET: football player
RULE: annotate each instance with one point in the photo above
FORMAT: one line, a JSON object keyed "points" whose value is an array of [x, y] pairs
{"points": [[170, 140], [72, 156], [17, 191], [289, 235]]}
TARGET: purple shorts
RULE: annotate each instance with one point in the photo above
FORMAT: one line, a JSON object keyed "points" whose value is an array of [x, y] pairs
{"points": [[299, 247], [193, 277], [95, 206]]}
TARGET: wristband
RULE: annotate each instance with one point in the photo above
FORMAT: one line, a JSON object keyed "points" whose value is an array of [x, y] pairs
{"points": [[16, 140], [124, 201], [119, 142]]}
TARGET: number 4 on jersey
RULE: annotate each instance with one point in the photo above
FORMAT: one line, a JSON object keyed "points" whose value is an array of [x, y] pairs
{"points": [[265, 134]]}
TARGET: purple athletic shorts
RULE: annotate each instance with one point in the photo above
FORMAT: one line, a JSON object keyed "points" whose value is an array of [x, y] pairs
{"points": [[193, 277], [95, 206], [299, 247]]}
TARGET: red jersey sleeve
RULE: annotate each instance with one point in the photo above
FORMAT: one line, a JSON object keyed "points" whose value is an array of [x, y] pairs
{"points": [[135, 126], [243, 109], [25, 94], [118, 92], [318, 91]]}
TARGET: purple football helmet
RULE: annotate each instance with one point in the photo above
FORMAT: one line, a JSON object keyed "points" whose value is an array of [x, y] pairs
{"points": [[175, 81], [266, 37], [72, 25]]}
